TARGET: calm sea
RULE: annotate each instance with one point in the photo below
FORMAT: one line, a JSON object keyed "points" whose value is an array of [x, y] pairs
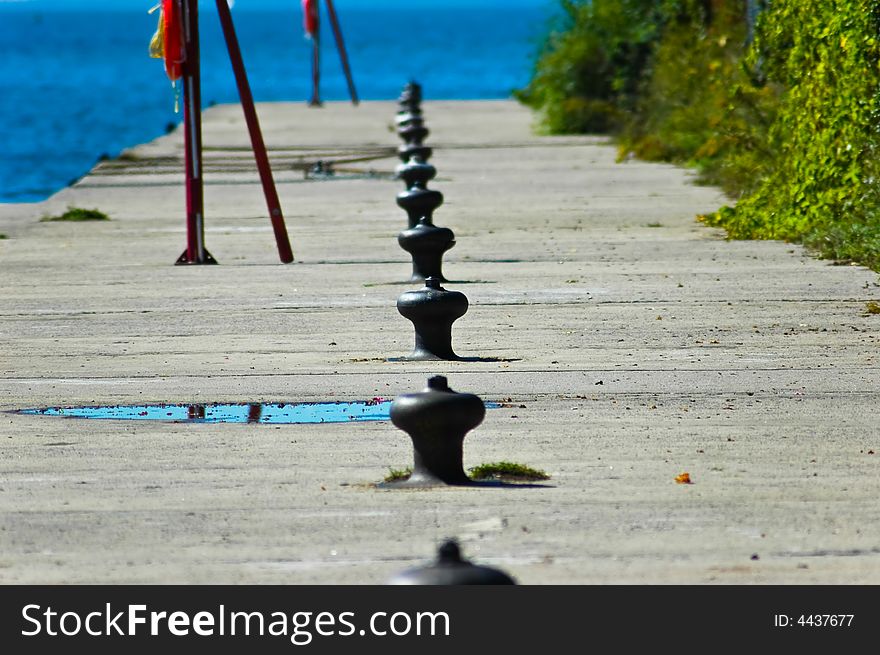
{"points": [[77, 84]]}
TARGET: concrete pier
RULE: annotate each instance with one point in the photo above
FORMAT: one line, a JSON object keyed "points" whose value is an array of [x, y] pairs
{"points": [[627, 343]]}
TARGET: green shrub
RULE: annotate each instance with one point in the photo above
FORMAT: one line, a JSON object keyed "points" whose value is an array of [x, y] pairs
{"points": [[699, 105], [857, 241], [788, 125], [79, 214], [507, 471], [591, 66], [398, 475], [821, 183]]}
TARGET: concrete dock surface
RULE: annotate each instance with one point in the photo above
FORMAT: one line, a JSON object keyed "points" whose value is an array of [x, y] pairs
{"points": [[627, 344]]}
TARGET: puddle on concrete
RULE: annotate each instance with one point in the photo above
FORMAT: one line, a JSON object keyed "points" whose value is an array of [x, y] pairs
{"points": [[336, 412]]}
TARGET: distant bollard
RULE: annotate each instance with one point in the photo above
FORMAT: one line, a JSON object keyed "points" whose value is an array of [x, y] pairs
{"points": [[408, 117], [426, 244], [451, 569], [432, 310], [413, 131], [424, 241], [410, 99], [411, 125], [410, 151], [416, 173], [414, 134], [437, 420], [418, 201]]}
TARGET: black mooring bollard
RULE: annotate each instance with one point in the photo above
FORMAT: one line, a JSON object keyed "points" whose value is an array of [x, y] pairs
{"points": [[419, 203], [411, 151], [424, 241], [414, 133], [408, 117], [437, 420], [432, 310], [410, 98], [416, 173], [451, 569], [426, 244], [411, 125]]}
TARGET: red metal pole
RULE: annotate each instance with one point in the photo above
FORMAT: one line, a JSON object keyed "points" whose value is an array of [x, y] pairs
{"points": [[192, 135], [343, 56], [253, 125], [316, 58]]}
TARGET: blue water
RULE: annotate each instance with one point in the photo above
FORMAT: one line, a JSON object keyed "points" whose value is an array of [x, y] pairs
{"points": [[77, 84]]}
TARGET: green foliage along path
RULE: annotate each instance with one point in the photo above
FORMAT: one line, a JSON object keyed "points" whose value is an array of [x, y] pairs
{"points": [[788, 123]]}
